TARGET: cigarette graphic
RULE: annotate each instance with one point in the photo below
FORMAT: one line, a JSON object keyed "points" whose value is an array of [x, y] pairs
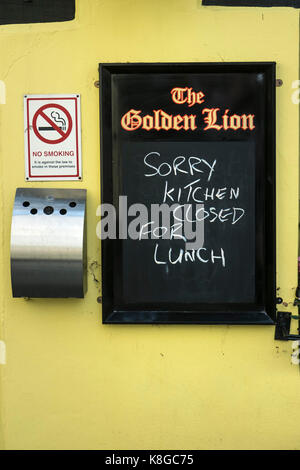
{"points": [[57, 118]]}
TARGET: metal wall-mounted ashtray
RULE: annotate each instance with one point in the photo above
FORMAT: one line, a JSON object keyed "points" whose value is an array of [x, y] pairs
{"points": [[48, 243]]}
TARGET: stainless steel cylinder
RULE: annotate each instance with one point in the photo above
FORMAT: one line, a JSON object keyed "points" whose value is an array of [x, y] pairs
{"points": [[48, 243]]}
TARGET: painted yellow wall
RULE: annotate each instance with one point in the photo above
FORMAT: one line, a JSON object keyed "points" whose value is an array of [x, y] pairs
{"points": [[70, 382]]}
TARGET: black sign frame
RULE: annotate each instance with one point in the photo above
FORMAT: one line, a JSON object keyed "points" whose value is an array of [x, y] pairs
{"points": [[252, 3], [262, 311]]}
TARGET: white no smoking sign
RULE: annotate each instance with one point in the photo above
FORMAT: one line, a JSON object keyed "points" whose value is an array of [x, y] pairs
{"points": [[52, 137]]}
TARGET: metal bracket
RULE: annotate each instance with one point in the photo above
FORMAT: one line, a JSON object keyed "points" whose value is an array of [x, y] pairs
{"points": [[297, 298], [282, 329]]}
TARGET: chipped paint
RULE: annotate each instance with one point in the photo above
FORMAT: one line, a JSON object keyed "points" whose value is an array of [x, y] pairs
{"points": [[2, 353], [295, 357], [93, 270]]}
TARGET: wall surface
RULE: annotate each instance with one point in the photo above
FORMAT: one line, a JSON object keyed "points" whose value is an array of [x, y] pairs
{"points": [[69, 382]]}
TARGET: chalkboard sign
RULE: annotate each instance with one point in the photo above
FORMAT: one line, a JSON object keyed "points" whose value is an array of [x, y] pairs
{"points": [[188, 193]]}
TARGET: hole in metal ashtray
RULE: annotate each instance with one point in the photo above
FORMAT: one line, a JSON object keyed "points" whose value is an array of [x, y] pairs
{"points": [[48, 210]]}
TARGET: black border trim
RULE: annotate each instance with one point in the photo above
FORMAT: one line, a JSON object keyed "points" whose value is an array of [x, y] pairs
{"points": [[37, 11], [252, 3]]}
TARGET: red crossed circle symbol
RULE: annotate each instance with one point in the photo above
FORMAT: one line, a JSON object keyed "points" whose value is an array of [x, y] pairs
{"points": [[40, 112]]}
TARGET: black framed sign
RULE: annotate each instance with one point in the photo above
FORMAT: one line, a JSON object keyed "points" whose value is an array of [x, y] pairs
{"points": [[252, 3], [188, 192]]}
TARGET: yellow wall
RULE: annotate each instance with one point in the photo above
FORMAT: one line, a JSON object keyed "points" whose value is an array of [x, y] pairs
{"points": [[70, 382]]}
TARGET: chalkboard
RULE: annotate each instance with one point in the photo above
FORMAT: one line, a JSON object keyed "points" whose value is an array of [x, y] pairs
{"points": [[188, 193]]}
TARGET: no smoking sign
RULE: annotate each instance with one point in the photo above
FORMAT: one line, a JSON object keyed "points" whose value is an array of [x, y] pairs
{"points": [[52, 137]]}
